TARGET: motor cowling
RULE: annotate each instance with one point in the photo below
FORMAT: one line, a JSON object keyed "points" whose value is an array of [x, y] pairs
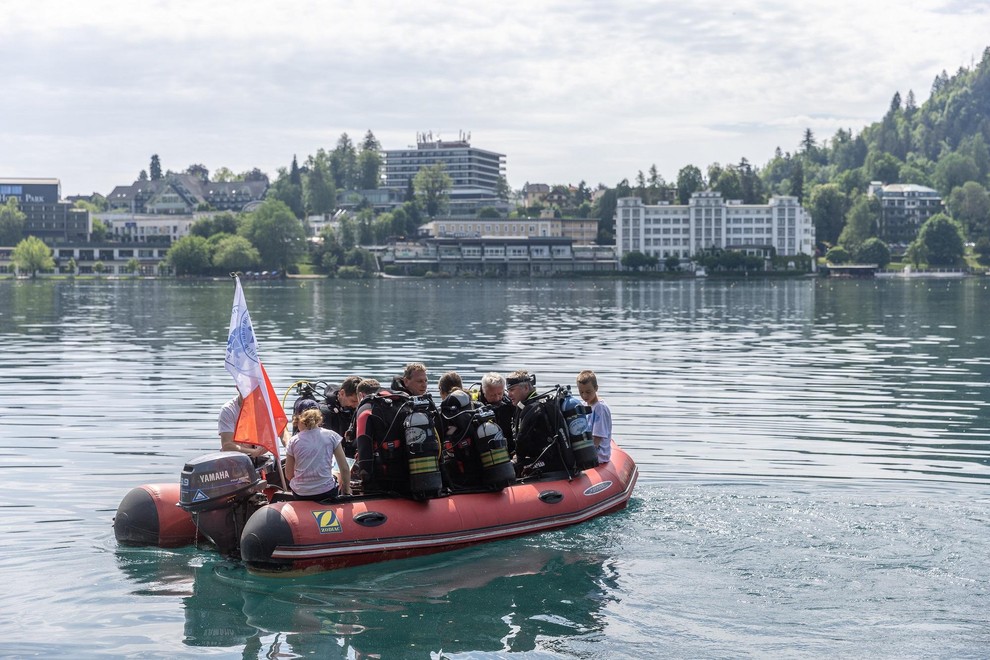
{"points": [[579, 432], [221, 491], [215, 480], [422, 450]]}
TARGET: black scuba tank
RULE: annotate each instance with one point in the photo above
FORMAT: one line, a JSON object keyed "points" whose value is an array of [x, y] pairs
{"points": [[423, 450], [578, 431], [489, 443]]}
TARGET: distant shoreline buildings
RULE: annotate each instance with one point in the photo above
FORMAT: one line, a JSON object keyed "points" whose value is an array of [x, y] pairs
{"points": [[475, 173], [153, 214], [48, 216], [904, 207], [781, 227]]}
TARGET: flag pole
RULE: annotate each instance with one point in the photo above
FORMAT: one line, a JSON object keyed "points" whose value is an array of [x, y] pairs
{"points": [[278, 438], [243, 363]]}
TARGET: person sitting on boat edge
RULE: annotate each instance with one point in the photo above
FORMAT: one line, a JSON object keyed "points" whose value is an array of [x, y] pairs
{"points": [[600, 419], [534, 428], [227, 424], [310, 457]]}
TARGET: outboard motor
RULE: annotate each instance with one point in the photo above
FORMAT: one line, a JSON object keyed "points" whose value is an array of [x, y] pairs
{"points": [[422, 450], [496, 467], [578, 430], [221, 490]]}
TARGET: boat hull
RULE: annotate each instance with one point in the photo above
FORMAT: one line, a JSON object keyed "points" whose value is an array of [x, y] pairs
{"points": [[303, 535], [150, 515]]}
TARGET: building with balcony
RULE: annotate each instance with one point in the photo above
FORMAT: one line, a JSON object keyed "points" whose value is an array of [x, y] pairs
{"points": [[111, 260], [583, 231], [474, 227], [579, 230], [147, 227], [707, 221], [904, 207], [47, 216], [474, 172], [498, 257]]}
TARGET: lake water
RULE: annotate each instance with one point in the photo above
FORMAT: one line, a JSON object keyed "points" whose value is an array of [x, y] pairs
{"points": [[813, 455]]}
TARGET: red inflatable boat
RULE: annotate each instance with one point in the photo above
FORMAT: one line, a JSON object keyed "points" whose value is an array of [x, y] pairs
{"points": [[303, 535]]}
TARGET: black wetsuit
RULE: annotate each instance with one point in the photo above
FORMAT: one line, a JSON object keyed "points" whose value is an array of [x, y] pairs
{"points": [[338, 417], [504, 413]]}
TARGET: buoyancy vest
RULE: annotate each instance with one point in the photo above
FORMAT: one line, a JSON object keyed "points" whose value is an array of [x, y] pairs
{"points": [[475, 450], [397, 445], [541, 437], [380, 439]]}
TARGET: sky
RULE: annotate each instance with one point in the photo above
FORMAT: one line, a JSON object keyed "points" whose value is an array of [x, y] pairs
{"points": [[584, 90]]}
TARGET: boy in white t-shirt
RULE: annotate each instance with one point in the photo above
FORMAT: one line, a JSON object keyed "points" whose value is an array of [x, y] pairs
{"points": [[600, 419]]}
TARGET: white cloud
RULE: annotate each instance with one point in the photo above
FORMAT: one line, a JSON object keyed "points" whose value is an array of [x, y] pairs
{"points": [[569, 91]]}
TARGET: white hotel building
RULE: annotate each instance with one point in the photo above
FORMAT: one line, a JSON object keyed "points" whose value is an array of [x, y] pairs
{"points": [[706, 221]]}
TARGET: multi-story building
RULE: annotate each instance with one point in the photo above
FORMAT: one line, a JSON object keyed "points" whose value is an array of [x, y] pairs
{"points": [[498, 256], [535, 193], [48, 217], [183, 194], [904, 207], [147, 227], [582, 231], [111, 260], [162, 211], [474, 172], [473, 226], [707, 221]]}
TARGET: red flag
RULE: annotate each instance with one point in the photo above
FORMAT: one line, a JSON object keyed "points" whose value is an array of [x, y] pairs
{"points": [[261, 420], [253, 423]]}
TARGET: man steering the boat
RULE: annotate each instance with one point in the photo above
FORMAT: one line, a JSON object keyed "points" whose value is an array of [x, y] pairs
{"points": [[227, 423]]}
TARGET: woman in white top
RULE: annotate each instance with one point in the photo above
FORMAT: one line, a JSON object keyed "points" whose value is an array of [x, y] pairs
{"points": [[309, 457]]}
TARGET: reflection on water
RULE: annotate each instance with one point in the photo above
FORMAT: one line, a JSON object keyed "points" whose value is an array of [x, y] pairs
{"points": [[496, 598], [804, 446]]}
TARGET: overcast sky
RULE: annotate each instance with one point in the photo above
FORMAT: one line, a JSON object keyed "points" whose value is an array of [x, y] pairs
{"points": [[579, 90]]}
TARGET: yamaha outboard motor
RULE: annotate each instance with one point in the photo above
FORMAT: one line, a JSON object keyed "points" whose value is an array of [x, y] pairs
{"points": [[497, 470], [423, 450], [578, 430], [221, 491]]}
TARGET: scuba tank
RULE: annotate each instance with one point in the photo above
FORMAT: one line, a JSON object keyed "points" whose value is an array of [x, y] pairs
{"points": [[489, 443], [381, 453], [422, 450], [579, 434]]}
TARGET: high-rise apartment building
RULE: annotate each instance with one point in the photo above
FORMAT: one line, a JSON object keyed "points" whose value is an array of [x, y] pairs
{"points": [[474, 172]]}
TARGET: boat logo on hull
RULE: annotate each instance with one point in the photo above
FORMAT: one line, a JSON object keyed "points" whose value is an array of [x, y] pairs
{"points": [[597, 488], [327, 520]]}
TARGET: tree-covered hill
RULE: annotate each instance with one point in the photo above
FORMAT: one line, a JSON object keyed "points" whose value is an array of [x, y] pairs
{"points": [[941, 144]]}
